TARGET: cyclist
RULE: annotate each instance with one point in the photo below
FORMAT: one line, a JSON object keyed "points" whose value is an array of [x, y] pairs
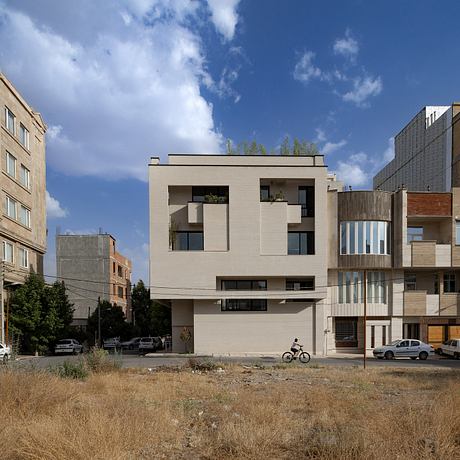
{"points": [[295, 347]]}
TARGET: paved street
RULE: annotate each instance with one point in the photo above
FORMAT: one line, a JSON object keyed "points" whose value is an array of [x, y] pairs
{"points": [[133, 361]]}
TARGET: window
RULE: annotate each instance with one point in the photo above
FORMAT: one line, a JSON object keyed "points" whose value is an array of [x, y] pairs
{"points": [[24, 216], [120, 271], [457, 232], [24, 136], [365, 237], [304, 284], [372, 336], [410, 282], [244, 304], [414, 234], [10, 165], [188, 241], [403, 344], [10, 120], [120, 292], [200, 194], [300, 243], [24, 176], [346, 332], [264, 193], [10, 207], [113, 267], [351, 287], [449, 282], [376, 292], [307, 200], [384, 335], [8, 252], [414, 343], [23, 258]]}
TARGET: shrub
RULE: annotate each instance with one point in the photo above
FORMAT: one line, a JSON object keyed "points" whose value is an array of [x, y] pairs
{"points": [[99, 360], [69, 370], [204, 366]]}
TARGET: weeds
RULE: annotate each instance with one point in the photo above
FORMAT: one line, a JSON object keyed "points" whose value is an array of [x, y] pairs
{"points": [[98, 360], [70, 370], [202, 366]]}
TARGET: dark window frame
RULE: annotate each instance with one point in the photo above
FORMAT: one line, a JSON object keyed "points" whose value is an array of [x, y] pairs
{"points": [[308, 207], [243, 305], [187, 232], [252, 281], [300, 281], [309, 247], [199, 192]]}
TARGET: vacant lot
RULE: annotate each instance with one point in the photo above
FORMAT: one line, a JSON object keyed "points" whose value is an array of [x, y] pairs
{"points": [[234, 412]]}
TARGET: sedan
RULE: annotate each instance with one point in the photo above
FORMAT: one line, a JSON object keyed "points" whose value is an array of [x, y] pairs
{"points": [[451, 347], [68, 346], [132, 344], [404, 348]]}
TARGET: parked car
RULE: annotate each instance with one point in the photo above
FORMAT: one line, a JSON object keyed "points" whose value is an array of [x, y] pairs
{"points": [[68, 346], [451, 347], [5, 353], [132, 344], [111, 344], [404, 348], [149, 344]]}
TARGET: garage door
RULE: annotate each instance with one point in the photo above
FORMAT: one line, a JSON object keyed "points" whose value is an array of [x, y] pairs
{"points": [[435, 335], [453, 332]]}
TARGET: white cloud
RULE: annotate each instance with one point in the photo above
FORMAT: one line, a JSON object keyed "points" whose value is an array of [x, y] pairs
{"points": [[351, 173], [305, 70], [347, 46], [363, 89], [331, 147], [53, 208], [224, 16], [389, 153], [113, 92]]}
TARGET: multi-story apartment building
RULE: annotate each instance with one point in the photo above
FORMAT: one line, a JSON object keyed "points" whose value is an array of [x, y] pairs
{"points": [[254, 251], [23, 186], [427, 153], [239, 247], [408, 245], [92, 268]]}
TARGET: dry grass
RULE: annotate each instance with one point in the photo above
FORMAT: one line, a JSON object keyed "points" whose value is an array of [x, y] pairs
{"points": [[326, 413]]}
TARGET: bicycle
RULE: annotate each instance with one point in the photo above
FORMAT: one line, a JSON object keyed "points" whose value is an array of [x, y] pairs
{"points": [[303, 356]]}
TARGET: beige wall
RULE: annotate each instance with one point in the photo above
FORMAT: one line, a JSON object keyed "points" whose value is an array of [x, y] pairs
{"points": [[32, 239]]}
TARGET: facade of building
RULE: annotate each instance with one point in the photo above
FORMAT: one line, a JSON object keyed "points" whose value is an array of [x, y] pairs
{"points": [[255, 251], [23, 187], [427, 153], [92, 268]]}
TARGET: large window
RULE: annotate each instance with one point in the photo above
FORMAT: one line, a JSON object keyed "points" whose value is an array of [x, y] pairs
{"points": [[264, 193], [302, 284], [209, 193], [449, 282], [24, 216], [300, 243], [188, 241], [410, 282], [307, 200], [10, 165], [8, 252], [10, 120], [24, 176], [346, 332], [24, 136], [244, 304], [10, 207], [365, 237], [414, 234], [351, 287]]}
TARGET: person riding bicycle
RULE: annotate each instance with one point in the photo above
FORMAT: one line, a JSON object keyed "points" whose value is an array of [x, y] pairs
{"points": [[295, 347]]}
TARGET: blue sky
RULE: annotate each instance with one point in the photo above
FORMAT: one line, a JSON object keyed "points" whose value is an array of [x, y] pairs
{"points": [[120, 81]]}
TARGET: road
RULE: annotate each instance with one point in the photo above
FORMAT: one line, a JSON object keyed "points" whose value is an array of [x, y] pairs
{"points": [[135, 361]]}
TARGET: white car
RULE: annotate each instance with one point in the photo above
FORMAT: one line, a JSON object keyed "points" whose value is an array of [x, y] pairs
{"points": [[404, 348], [149, 344], [5, 353], [451, 347], [68, 346]]}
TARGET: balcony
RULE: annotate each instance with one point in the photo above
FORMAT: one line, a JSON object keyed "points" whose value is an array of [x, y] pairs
{"points": [[357, 309], [427, 253], [195, 212], [419, 303], [294, 214]]}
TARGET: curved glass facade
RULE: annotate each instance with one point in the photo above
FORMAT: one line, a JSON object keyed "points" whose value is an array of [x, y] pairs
{"points": [[365, 237]]}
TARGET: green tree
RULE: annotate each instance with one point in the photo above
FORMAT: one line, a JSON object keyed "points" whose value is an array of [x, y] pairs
{"points": [[230, 148], [113, 321], [297, 147], [285, 148], [262, 149], [40, 314], [253, 148]]}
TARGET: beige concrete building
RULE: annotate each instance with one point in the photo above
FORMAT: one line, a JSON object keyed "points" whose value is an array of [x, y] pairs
{"points": [[239, 245], [92, 268], [23, 187]]}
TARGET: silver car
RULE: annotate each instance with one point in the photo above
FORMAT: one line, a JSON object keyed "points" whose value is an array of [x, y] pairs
{"points": [[404, 348]]}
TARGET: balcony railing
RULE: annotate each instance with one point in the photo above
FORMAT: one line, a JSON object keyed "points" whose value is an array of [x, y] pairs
{"points": [[427, 253]]}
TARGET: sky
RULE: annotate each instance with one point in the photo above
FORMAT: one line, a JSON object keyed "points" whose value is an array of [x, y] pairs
{"points": [[120, 81]]}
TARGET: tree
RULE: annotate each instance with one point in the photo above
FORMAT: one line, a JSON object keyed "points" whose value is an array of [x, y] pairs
{"points": [[285, 148], [230, 149], [151, 318], [40, 314], [113, 321]]}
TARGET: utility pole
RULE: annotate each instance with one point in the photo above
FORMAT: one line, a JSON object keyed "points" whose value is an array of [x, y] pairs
{"points": [[2, 311], [365, 318], [99, 321]]}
